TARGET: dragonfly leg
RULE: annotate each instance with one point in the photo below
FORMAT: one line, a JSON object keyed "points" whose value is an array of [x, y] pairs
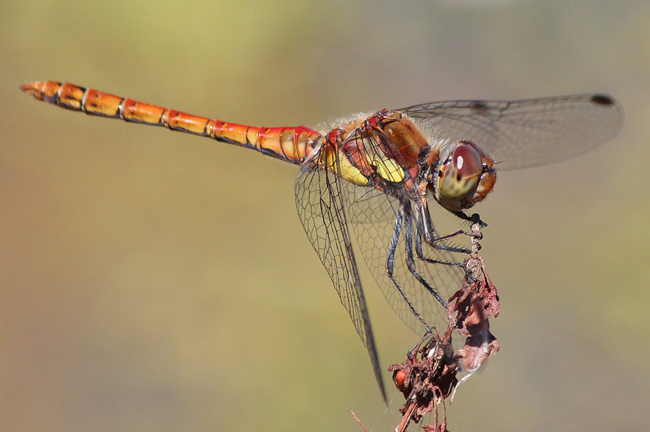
{"points": [[390, 266], [436, 242], [417, 346], [474, 218], [410, 261], [418, 248], [425, 227], [421, 256]]}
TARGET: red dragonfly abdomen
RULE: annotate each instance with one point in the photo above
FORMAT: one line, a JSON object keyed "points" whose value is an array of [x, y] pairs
{"points": [[291, 144]]}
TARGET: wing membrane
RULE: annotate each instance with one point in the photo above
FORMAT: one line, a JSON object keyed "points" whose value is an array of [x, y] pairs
{"points": [[321, 210], [374, 216], [526, 133]]}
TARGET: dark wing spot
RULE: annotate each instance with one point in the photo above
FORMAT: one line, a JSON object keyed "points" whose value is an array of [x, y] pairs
{"points": [[478, 105], [602, 100]]}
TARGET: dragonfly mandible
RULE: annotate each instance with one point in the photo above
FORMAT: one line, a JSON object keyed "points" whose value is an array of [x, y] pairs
{"points": [[372, 177]]}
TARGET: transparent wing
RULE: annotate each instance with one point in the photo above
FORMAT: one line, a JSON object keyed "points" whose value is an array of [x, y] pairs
{"points": [[368, 209], [526, 133], [321, 210], [385, 229]]}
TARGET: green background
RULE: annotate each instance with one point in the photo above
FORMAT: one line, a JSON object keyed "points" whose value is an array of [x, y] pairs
{"points": [[151, 281]]}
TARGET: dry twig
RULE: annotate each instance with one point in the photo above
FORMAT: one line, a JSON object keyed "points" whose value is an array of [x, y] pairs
{"points": [[431, 371]]}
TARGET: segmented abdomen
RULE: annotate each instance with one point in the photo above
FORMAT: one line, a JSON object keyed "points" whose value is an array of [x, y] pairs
{"points": [[291, 144]]}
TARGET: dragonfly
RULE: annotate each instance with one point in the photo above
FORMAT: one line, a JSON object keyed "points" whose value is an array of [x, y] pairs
{"points": [[365, 186]]}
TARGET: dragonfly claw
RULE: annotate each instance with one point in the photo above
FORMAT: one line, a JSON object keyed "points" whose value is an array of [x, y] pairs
{"points": [[469, 273]]}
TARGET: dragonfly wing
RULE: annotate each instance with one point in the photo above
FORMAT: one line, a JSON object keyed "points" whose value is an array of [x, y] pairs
{"points": [[321, 210], [368, 209], [525, 133]]}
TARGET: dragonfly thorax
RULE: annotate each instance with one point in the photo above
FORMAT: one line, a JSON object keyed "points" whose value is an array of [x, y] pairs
{"points": [[463, 178], [377, 150]]}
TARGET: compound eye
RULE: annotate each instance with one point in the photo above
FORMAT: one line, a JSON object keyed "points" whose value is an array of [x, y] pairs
{"points": [[460, 175], [467, 161], [465, 177]]}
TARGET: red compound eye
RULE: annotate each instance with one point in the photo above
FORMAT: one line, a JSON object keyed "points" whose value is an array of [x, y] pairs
{"points": [[467, 161]]}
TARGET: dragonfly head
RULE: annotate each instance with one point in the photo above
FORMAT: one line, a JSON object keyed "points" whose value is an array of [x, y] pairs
{"points": [[464, 178]]}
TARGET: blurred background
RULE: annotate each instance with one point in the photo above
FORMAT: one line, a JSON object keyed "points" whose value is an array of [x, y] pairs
{"points": [[151, 281]]}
